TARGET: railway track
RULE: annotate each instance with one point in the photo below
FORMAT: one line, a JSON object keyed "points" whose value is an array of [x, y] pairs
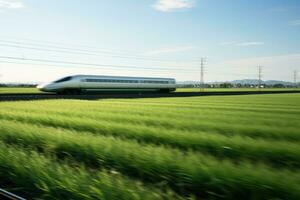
{"points": [[39, 96], [5, 195]]}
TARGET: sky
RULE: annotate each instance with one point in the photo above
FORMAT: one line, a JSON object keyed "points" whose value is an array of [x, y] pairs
{"points": [[44, 40]]}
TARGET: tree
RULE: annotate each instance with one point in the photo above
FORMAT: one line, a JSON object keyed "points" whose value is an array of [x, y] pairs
{"points": [[226, 85]]}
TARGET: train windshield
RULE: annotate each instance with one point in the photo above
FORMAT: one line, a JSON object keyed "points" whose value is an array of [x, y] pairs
{"points": [[63, 79]]}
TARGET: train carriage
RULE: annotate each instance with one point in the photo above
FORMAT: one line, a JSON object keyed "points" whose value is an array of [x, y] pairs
{"points": [[79, 83]]}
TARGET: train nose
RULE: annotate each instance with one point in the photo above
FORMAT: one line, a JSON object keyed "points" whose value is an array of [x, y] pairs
{"points": [[42, 87]]}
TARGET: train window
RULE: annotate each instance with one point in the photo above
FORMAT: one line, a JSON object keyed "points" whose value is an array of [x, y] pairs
{"points": [[155, 82], [63, 79], [125, 81]]}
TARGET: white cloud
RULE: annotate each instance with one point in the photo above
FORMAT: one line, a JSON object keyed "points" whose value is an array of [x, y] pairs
{"points": [[295, 23], [249, 44], [11, 4], [172, 5], [241, 44], [169, 50]]}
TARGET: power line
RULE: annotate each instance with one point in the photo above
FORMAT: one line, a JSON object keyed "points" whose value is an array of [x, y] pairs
{"points": [[60, 49], [201, 85], [81, 67], [96, 65], [73, 52], [76, 51], [39, 42], [259, 76], [295, 79]]}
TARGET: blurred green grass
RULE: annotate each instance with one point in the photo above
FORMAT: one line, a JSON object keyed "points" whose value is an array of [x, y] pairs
{"points": [[210, 147]]}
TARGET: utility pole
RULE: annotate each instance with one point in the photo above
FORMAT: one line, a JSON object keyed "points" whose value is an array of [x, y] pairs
{"points": [[295, 79], [259, 76], [201, 84]]}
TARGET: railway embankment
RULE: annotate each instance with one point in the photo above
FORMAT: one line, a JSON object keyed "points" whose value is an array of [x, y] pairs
{"points": [[91, 96]]}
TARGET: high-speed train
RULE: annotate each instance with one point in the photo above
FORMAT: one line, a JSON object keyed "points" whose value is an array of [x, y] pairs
{"points": [[80, 83]]}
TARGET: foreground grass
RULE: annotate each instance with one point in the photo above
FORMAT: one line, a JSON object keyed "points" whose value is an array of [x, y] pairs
{"points": [[185, 172], [277, 153], [43, 178], [230, 147]]}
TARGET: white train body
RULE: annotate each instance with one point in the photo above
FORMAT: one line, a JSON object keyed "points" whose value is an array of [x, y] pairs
{"points": [[78, 83]]}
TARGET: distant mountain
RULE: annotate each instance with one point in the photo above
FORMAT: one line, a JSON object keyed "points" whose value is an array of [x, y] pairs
{"points": [[243, 82], [255, 82], [273, 82]]}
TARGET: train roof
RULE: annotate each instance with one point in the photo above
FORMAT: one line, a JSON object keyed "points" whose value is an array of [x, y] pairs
{"points": [[124, 77]]}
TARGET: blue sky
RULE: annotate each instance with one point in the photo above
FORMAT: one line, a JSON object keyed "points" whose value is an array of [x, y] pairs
{"points": [[234, 35]]}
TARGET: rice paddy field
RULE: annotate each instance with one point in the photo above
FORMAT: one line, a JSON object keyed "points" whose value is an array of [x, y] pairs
{"points": [[18, 90], [210, 147]]}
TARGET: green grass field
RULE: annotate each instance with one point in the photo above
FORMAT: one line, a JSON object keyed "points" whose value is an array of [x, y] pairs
{"points": [[21, 90], [222, 147]]}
